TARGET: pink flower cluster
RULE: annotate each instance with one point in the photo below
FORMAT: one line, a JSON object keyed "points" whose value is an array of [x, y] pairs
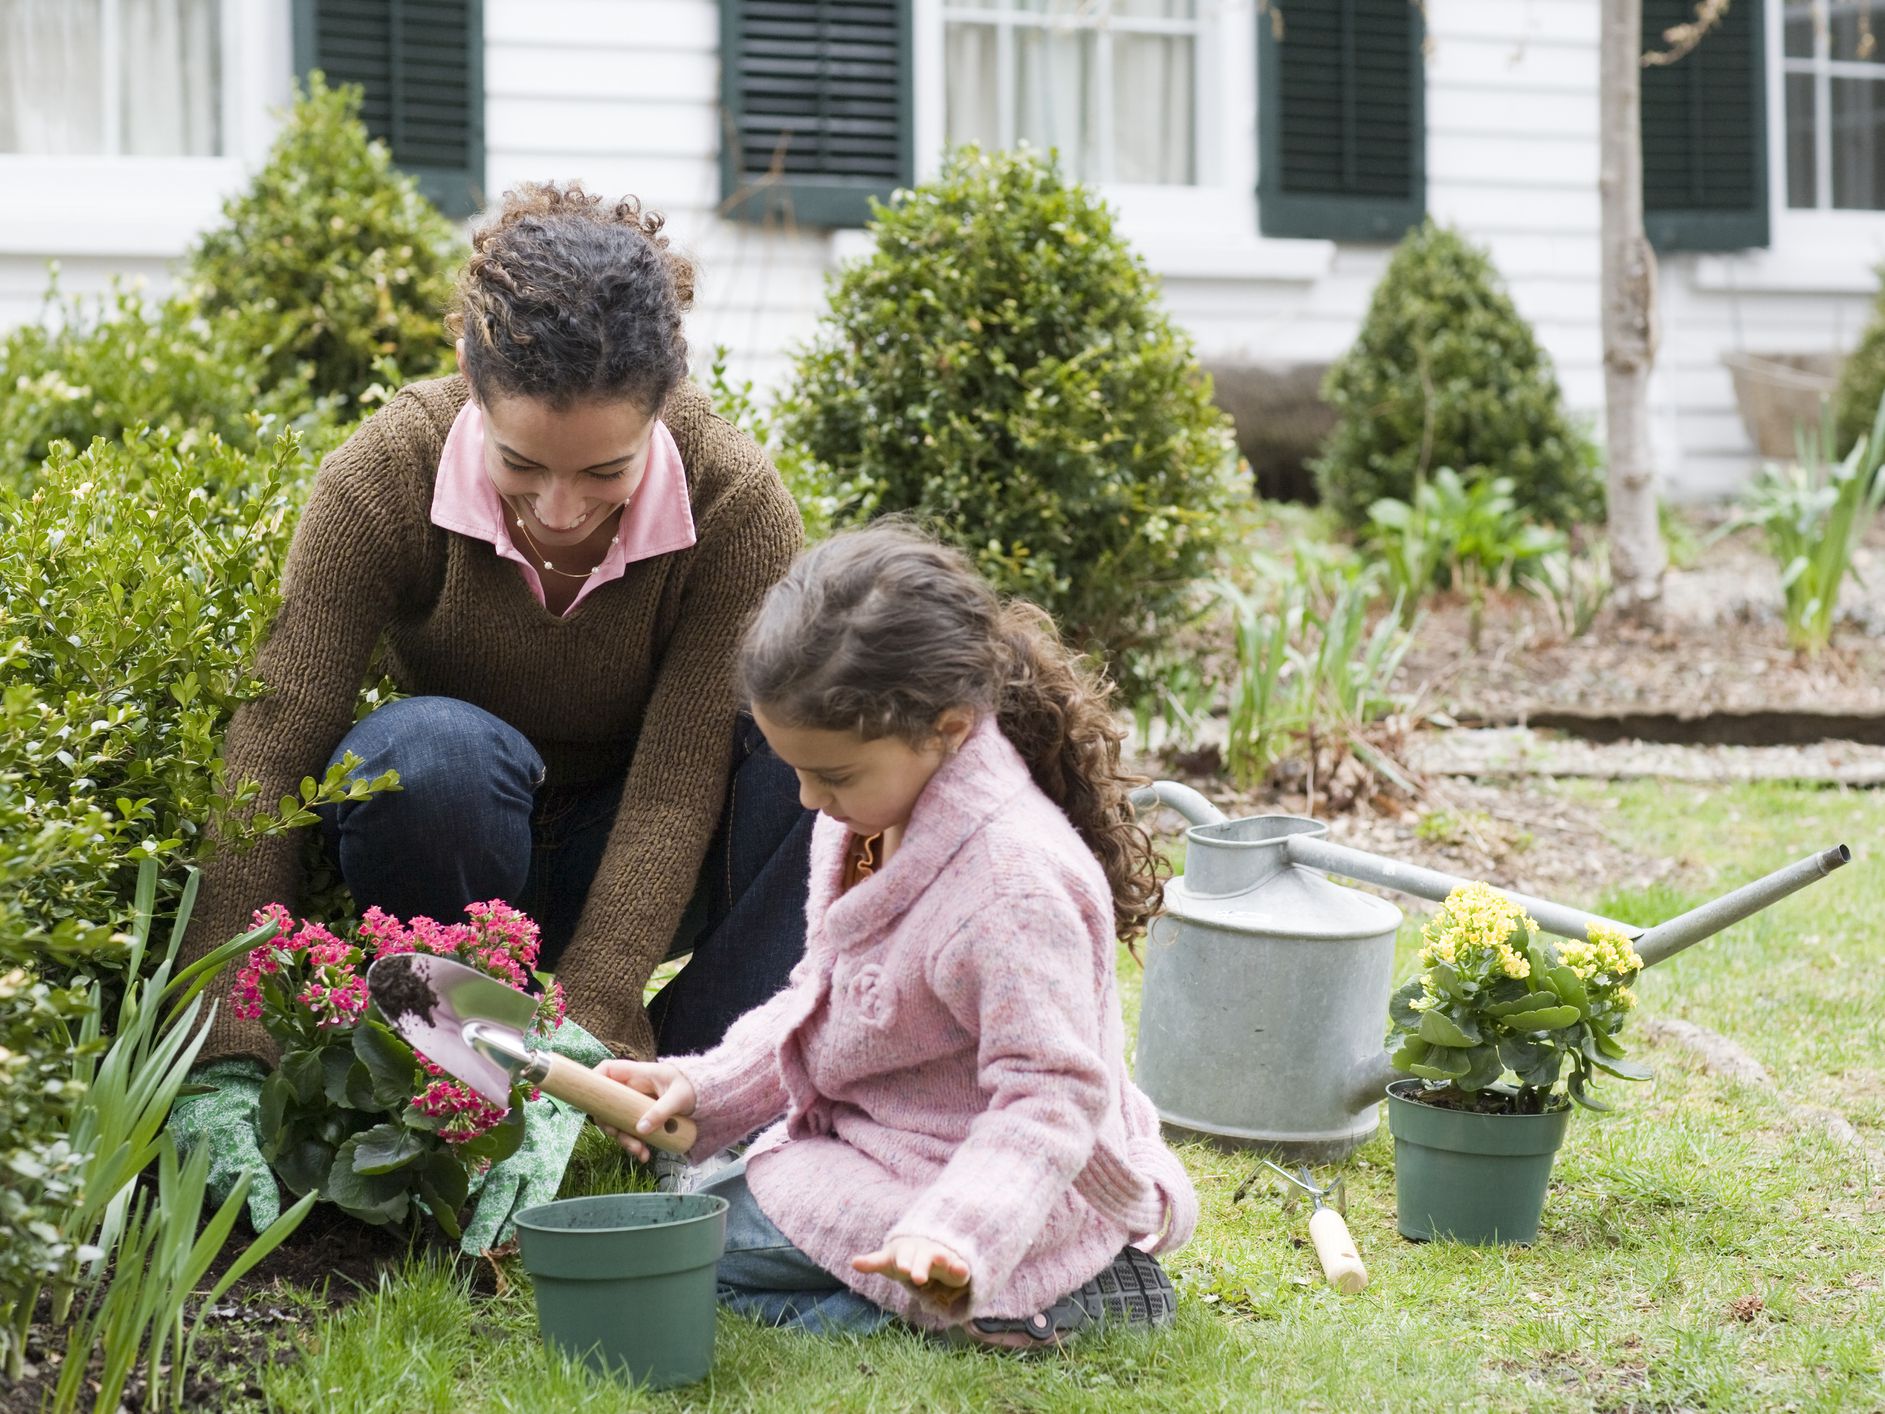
{"points": [[324, 978], [330, 990]]}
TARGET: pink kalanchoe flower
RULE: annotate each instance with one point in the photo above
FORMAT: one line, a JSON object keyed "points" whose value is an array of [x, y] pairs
{"points": [[384, 934]]}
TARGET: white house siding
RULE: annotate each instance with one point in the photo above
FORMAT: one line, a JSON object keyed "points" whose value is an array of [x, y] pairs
{"points": [[625, 95]]}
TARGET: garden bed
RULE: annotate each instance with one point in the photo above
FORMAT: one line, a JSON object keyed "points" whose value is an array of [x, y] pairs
{"points": [[1717, 669]]}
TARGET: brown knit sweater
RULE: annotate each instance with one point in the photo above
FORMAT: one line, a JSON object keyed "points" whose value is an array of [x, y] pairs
{"points": [[640, 676]]}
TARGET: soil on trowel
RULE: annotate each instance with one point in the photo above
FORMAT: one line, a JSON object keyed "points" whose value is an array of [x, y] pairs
{"points": [[401, 990]]}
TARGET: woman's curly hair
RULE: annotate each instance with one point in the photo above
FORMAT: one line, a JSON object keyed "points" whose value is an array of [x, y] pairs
{"points": [[570, 298], [881, 630]]}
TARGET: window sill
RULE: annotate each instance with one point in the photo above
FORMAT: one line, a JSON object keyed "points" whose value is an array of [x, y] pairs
{"points": [[1831, 253], [111, 206]]}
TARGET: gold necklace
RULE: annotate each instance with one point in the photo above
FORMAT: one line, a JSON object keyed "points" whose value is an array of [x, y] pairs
{"points": [[566, 574]]}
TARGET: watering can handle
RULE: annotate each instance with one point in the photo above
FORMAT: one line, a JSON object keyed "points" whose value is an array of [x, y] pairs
{"points": [[1341, 1263], [611, 1102]]}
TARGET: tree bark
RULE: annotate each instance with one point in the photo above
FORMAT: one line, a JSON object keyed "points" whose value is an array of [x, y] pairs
{"points": [[1637, 555]]}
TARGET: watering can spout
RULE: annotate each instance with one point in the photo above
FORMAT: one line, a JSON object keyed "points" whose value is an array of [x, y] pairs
{"points": [[1667, 939], [1186, 801]]}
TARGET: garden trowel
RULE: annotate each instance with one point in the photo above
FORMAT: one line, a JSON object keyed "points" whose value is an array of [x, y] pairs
{"points": [[474, 1027]]}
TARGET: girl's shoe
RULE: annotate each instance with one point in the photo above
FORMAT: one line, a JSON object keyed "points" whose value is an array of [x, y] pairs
{"points": [[1133, 1290], [674, 1174]]}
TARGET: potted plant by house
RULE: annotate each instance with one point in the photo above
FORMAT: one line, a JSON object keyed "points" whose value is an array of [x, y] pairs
{"points": [[1503, 1030]]}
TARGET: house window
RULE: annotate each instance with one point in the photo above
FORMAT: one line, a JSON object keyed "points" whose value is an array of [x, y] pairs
{"points": [[135, 78], [1113, 84], [1834, 73]]}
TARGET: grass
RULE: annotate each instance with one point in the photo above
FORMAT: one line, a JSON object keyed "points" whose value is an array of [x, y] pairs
{"points": [[1704, 1247]]}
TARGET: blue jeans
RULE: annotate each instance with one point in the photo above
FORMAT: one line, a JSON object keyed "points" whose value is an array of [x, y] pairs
{"points": [[474, 820], [764, 1276]]}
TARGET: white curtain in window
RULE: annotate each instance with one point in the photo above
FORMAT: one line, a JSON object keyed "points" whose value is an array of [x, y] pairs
{"points": [[110, 76], [1152, 93], [51, 97], [170, 76], [1119, 108]]}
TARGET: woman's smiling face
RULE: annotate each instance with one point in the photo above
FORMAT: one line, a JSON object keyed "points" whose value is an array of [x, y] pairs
{"points": [[565, 472]]}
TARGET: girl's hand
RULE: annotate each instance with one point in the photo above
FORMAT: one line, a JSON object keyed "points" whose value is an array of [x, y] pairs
{"points": [[672, 1092], [921, 1265]]}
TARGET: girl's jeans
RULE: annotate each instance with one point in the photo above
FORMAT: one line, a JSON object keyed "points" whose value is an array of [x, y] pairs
{"points": [[764, 1276], [474, 821]]}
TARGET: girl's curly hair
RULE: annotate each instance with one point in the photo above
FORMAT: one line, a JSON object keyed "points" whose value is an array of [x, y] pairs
{"points": [[881, 630], [571, 298]]}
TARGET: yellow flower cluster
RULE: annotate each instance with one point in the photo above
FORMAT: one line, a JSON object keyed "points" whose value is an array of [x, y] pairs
{"points": [[1608, 953], [1476, 918]]}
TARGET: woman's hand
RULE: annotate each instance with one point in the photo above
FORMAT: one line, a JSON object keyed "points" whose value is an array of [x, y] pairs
{"points": [[921, 1265], [672, 1092]]}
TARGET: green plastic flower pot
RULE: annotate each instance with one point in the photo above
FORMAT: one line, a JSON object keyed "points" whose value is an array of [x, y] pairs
{"points": [[1477, 1178], [624, 1281]]}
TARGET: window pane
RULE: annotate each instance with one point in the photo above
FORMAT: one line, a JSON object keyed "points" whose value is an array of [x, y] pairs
{"points": [[971, 109], [171, 80], [1800, 182], [1157, 9], [51, 100], [1854, 33], [1858, 144], [1799, 20], [1054, 97], [1153, 107]]}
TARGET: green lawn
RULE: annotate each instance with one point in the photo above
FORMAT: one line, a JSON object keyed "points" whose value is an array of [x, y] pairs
{"points": [[1703, 1248]]}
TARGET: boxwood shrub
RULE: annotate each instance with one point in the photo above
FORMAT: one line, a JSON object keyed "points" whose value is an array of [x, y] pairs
{"points": [[999, 365], [1446, 372]]}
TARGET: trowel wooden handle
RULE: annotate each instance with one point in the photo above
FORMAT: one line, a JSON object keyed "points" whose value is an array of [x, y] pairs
{"points": [[611, 1102], [1341, 1263]]}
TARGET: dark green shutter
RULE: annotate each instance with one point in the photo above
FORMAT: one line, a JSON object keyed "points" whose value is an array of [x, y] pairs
{"points": [[816, 98], [1342, 120], [1705, 132], [421, 63]]}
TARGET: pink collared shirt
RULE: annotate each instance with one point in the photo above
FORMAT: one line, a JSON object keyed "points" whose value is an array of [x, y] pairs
{"points": [[658, 519]]}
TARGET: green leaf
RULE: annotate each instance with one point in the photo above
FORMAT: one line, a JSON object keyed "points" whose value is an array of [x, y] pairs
{"points": [[1531, 1001], [304, 1164], [386, 1147], [1606, 1043], [445, 1187], [302, 1071], [1443, 1064], [336, 1064], [276, 1092], [389, 1061], [1442, 1030], [1569, 987], [1400, 1006], [501, 1140], [1579, 1090], [1413, 1051], [383, 1199], [1486, 1068], [1551, 1018]]}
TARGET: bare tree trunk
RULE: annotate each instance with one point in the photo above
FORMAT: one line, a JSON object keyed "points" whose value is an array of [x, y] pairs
{"points": [[1637, 555]]}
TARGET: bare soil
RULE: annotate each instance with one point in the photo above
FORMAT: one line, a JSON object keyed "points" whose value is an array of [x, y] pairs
{"points": [[1719, 649]]}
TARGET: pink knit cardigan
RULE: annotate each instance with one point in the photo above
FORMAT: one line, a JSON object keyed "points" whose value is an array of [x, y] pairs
{"points": [[950, 1058]]}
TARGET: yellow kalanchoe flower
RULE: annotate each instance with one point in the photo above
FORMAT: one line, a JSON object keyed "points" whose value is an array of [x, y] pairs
{"points": [[1476, 918]]}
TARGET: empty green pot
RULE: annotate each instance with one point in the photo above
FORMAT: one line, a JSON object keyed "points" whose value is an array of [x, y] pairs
{"points": [[1477, 1178], [624, 1281]]}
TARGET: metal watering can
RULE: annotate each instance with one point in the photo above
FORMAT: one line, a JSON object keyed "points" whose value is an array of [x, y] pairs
{"points": [[1267, 985]]}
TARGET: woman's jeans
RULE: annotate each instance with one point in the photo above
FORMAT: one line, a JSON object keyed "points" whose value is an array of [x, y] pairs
{"points": [[764, 1276], [473, 820]]}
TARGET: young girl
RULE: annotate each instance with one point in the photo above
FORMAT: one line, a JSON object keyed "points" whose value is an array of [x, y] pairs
{"points": [[961, 1144]]}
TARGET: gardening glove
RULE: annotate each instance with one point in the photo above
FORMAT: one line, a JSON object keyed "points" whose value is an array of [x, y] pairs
{"points": [[533, 1174], [225, 1120]]}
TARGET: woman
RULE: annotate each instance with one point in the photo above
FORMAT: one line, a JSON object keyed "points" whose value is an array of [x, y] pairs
{"points": [[554, 553]]}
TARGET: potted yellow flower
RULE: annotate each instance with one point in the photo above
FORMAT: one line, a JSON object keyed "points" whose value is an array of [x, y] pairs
{"points": [[1503, 1030]]}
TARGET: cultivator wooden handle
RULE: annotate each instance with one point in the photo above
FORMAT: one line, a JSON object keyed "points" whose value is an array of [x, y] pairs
{"points": [[1341, 1263], [611, 1102]]}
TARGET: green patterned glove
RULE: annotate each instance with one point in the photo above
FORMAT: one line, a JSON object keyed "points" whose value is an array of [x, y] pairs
{"points": [[534, 1173], [224, 1119]]}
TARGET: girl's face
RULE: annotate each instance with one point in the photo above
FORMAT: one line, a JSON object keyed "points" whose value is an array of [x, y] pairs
{"points": [[565, 472], [868, 786]]}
